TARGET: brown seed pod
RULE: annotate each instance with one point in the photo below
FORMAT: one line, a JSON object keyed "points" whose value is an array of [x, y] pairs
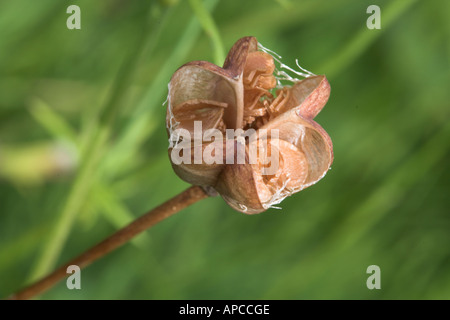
{"points": [[280, 128]]}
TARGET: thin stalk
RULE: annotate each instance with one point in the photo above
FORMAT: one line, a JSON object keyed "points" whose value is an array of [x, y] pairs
{"points": [[209, 26], [165, 210]]}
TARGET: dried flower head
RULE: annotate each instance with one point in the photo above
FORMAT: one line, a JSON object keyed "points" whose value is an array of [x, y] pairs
{"points": [[213, 113]]}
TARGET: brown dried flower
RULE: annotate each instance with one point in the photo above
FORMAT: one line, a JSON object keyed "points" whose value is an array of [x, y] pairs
{"points": [[268, 122]]}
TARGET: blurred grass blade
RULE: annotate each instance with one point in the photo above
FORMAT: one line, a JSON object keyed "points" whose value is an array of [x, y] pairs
{"points": [[56, 125], [286, 4], [384, 198], [23, 245], [90, 159], [120, 157], [158, 89], [370, 211], [72, 205], [115, 212], [208, 24], [364, 38], [141, 122]]}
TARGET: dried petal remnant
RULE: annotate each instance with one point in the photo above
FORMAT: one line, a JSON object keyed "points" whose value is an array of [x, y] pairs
{"points": [[209, 112], [258, 71], [241, 95]]}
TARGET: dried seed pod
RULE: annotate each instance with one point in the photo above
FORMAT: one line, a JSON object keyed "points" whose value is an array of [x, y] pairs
{"points": [[247, 188], [241, 96]]}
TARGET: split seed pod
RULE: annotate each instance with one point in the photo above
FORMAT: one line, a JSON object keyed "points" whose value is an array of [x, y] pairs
{"points": [[273, 120]]}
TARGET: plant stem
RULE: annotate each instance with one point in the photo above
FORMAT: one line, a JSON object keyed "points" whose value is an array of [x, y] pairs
{"points": [[163, 211], [206, 20]]}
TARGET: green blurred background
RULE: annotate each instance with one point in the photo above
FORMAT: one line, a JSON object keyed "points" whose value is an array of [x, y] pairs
{"points": [[83, 151]]}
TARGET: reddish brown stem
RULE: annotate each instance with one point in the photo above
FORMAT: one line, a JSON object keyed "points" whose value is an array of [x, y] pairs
{"points": [[165, 210]]}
